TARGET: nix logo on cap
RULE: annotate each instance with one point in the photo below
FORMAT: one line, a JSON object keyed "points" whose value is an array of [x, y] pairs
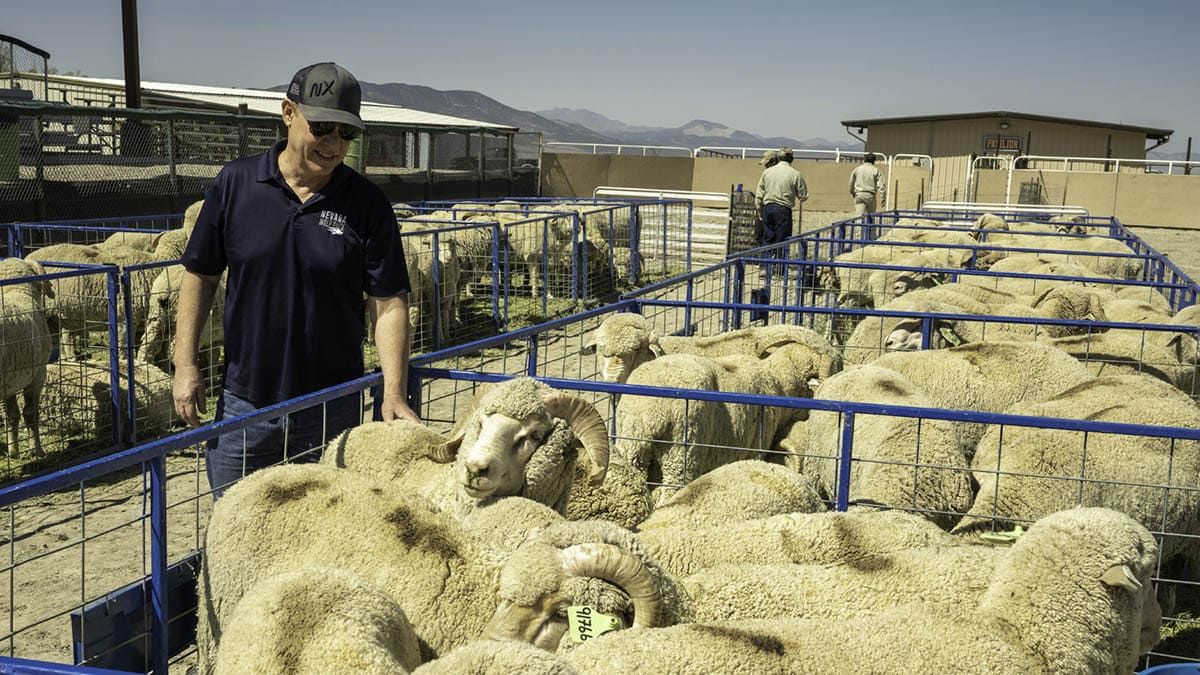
{"points": [[327, 92]]}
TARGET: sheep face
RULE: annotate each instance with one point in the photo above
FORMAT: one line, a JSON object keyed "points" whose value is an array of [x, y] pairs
{"points": [[903, 340], [494, 466]]}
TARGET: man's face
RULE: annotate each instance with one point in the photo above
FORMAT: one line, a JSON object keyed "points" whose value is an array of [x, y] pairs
{"points": [[318, 154]]}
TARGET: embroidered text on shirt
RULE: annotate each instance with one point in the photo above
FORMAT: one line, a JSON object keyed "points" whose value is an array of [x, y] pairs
{"points": [[333, 222]]}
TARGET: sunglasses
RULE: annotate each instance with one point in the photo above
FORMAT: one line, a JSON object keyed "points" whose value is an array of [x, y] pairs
{"points": [[348, 133]]}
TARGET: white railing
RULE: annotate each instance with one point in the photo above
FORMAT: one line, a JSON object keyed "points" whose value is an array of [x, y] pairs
{"points": [[1004, 208], [709, 199], [1093, 165], [617, 149], [798, 153], [898, 160]]}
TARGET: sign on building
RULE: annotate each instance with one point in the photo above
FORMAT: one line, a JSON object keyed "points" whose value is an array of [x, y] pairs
{"points": [[1002, 144]]}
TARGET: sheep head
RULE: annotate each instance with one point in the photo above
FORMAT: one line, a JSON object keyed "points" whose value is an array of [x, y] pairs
{"points": [[504, 431], [625, 341], [548, 573]]}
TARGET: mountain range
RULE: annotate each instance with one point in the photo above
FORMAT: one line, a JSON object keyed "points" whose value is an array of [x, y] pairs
{"points": [[578, 125], [584, 126]]}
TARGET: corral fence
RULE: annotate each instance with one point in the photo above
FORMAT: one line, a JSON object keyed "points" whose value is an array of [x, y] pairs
{"points": [[102, 556], [151, 588], [82, 161], [108, 392]]}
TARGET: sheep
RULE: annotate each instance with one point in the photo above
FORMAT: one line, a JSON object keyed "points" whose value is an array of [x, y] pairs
{"points": [[1118, 353], [81, 302], [623, 498], [627, 340], [80, 395], [559, 564], [987, 377], [990, 221], [671, 441], [852, 282], [296, 516], [740, 491], [1095, 615], [419, 256], [876, 334], [1025, 473], [1118, 260], [491, 657], [157, 344], [1056, 304], [171, 245], [521, 437], [317, 620], [887, 283], [897, 461], [25, 346], [142, 241], [536, 238], [190, 216]]}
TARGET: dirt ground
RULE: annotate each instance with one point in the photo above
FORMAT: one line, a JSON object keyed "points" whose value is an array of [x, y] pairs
{"points": [[58, 559]]}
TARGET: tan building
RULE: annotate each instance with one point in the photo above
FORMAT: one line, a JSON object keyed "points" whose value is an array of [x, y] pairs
{"points": [[955, 142]]}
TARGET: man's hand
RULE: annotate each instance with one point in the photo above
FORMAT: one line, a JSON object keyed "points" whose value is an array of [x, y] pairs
{"points": [[188, 390], [396, 408]]}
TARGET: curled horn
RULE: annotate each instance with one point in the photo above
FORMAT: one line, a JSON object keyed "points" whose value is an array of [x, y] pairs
{"points": [[617, 566], [588, 426], [770, 344]]}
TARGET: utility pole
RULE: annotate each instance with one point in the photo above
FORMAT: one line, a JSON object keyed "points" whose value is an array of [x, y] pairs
{"points": [[133, 72]]}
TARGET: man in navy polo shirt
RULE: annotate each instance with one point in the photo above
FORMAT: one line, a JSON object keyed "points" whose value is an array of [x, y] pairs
{"points": [[302, 238]]}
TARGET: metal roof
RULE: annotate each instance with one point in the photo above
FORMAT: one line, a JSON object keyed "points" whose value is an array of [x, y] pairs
{"points": [[267, 102], [1157, 134]]}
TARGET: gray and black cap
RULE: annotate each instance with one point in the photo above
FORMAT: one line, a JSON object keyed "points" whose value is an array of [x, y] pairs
{"points": [[327, 92]]}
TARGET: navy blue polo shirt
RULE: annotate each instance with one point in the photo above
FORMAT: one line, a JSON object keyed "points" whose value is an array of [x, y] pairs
{"points": [[294, 308]]}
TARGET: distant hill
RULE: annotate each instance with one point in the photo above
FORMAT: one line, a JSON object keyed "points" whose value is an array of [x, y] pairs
{"points": [[576, 125], [693, 134]]}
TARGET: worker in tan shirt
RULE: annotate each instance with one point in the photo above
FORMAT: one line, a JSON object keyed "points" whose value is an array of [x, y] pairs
{"points": [[866, 185], [779, 187]]}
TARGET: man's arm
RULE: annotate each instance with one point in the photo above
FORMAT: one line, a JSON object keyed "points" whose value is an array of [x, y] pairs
{"points": [[390, 315], [195, 303], [853, 180]]}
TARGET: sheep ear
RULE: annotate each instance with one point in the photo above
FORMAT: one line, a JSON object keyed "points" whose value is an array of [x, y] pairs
{"points": [[588, 349], [652, 342], [449, 452], [1121, 575]]}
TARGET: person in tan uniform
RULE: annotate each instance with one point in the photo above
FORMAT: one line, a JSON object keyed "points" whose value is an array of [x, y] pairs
{"points": [[866, 186], [779, 187]]}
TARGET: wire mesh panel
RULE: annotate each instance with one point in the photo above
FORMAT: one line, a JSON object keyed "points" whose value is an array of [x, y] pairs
{"points": [[81, 162]]}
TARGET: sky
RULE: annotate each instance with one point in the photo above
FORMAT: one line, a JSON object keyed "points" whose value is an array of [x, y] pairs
{"points": [[794, 68]]}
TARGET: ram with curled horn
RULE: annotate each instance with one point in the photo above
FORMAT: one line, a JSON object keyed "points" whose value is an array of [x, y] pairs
{"points": [[518, 437]]}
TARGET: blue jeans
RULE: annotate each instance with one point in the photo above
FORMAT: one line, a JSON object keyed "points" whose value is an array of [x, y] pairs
{"points": [[297, 437]]}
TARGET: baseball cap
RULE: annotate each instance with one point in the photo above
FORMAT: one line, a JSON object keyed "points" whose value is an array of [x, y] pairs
{"points": [[768, 156], [327, 92]]}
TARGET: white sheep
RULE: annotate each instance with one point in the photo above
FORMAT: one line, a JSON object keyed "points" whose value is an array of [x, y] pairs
{"points": [[572, 561], [157, 344], [672, 441], [1118, 353], [79, 395], [987, 377], [419, 256], [745, 490], [296, 516], [318, 621], [876, 334], [520, 437], [25, 346], [1094, 614], [1025, 473], [897, 461], [81, 302], [627, 340]]}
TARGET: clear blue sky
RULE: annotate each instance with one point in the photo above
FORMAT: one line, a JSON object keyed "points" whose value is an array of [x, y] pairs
{"points": [[793, 68]]}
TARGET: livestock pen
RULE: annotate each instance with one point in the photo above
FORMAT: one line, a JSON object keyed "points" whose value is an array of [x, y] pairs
{"points": [[101, 555], [111, 392]]}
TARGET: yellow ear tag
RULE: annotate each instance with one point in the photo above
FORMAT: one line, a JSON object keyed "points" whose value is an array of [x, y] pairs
{"points": [[585, 623], [1004, 537]]}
